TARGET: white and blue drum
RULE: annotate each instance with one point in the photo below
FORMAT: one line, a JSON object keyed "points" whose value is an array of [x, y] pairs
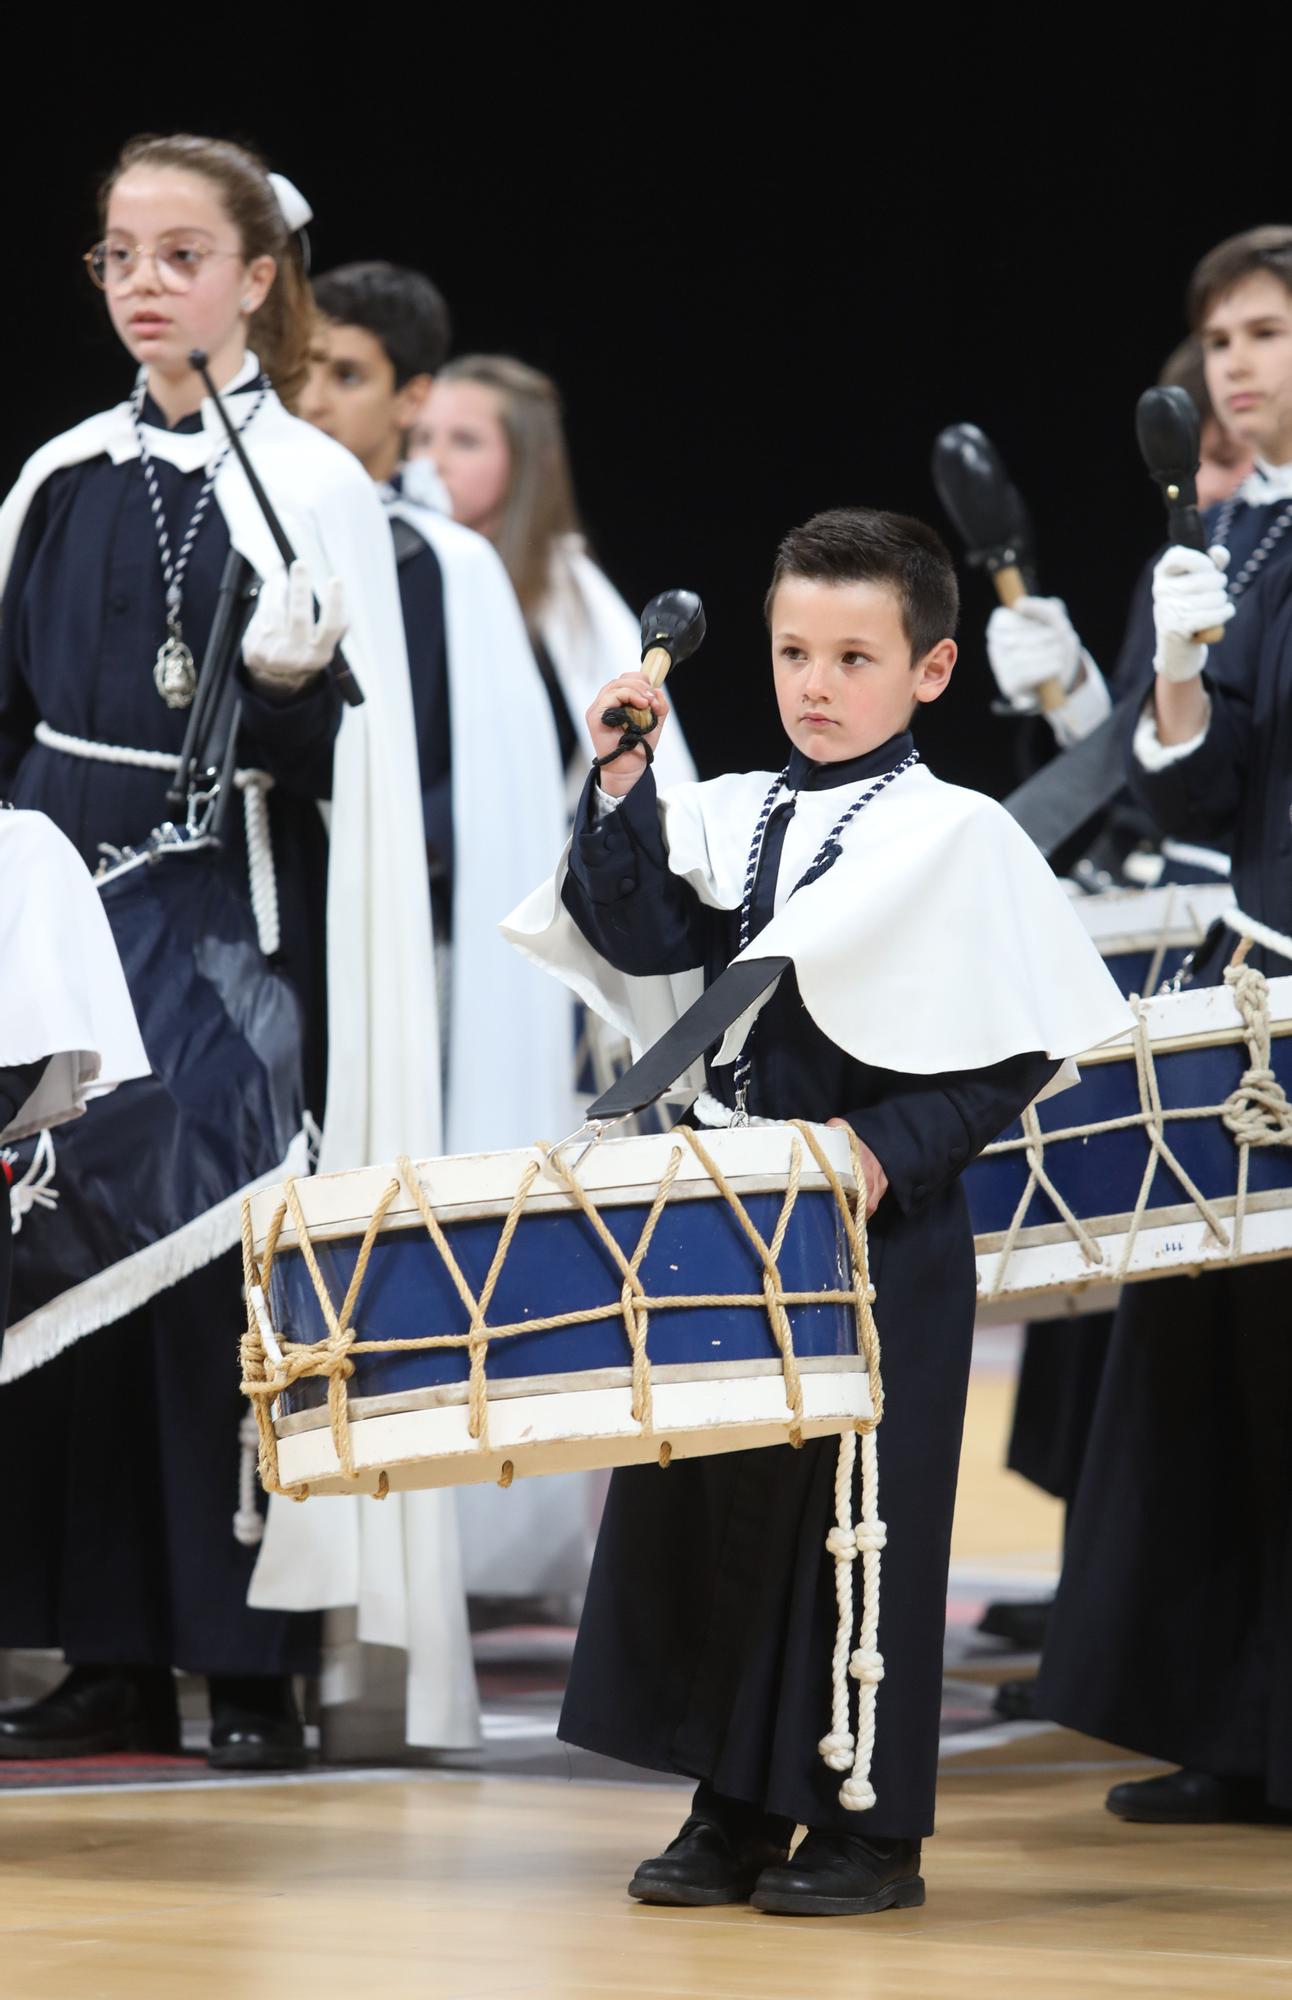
{"points": [[710, 1373], [1173, 1154], [1144, 935]]}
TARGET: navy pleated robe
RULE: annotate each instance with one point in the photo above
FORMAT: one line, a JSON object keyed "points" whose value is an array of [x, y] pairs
{"points": [[125, 1448]]}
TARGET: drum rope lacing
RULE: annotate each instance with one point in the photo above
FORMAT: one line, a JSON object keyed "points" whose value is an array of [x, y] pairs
{"points": [[254, 786], [272, 1362], [1256, 1113]]}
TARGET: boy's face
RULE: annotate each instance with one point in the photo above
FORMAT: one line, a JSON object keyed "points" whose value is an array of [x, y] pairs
{"points": [[845, 682], [351, 395], [1247, 348]]}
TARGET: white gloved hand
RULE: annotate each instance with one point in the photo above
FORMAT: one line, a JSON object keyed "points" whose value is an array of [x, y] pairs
{"points": [[1030, 642], [1189, 596], [285, 644]]}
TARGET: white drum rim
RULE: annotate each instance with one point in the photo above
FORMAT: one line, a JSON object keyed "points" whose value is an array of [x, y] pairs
{"points": [[450, 1395], [462, 1187], [581, 1429]]}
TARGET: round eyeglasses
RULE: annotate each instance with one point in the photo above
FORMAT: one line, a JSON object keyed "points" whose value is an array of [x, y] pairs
{"points": [[178, 264]]}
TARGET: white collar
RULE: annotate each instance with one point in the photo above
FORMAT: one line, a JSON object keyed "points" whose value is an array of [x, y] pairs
{"points": [[420, 483], [187, 451], [1266, 484]]}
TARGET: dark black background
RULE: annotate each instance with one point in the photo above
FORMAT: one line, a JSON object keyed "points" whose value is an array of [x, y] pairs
{"points": [[765, 271]]}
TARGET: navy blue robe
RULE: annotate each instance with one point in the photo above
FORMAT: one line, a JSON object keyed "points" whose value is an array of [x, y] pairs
{"points": [[1064, 1359], [710, 1618], [126, 1446], [1172, 1632]]}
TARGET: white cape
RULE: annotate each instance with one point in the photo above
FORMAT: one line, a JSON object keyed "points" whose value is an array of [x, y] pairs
{"points": [[64, 995], [505, 1088], [591, 635], [940, 940], [383, 1069]]}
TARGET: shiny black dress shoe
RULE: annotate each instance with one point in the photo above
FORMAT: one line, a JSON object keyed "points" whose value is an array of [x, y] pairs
{"points": [[722, 1849], [95, 1711], [1195, 1798], [255, 1724], [841, 1875], [1022, 1623]]}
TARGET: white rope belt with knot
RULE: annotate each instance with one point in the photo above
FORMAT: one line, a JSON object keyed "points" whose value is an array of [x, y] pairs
{"points": [[254, 786], [844, 1750]]}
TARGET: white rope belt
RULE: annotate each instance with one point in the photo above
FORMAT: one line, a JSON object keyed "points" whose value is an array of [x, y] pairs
{"points": [[254, 786]]}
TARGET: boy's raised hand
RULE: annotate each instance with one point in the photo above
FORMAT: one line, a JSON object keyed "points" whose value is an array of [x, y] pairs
{"points": [[624, 691]]}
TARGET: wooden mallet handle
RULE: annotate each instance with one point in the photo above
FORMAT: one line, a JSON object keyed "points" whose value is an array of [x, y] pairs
{"points": [[655, 666], [1009, 588]]}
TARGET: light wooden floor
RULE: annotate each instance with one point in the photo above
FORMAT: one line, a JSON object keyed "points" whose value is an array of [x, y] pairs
{"points": [[510, 1889], [465, 1888]]}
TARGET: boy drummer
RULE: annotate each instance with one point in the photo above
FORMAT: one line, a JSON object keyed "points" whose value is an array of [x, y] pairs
{"points": [[938, 981]]}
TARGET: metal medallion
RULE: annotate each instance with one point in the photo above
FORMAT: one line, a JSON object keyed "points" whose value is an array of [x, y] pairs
{"points": [[174, 674]]}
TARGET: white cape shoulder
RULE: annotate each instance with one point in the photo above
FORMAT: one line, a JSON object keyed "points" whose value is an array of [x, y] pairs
{"points": [[939, 940]]}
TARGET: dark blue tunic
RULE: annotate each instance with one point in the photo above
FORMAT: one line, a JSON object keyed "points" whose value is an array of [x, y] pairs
{"points": [[1063, 1360], [1172, 1632], [421, 595], [127, 1554], [710, 1619]]}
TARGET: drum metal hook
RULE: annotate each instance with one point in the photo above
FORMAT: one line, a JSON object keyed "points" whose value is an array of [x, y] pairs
{"points": [[594, 1128]]}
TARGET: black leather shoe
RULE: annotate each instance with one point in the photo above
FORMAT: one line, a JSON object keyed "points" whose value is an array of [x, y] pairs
{"points": [[841, 1875], [255, 1724], [95, 1711], [1022, 1623], [1195, 1798], [707, 1864]]}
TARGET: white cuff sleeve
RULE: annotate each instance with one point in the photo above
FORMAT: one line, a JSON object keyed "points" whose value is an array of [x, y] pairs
{"points": [[1151, 754], [606, 802], [1085, 708]]}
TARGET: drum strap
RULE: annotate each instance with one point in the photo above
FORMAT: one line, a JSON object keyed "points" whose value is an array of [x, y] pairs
{"points": [[702, 1027]]}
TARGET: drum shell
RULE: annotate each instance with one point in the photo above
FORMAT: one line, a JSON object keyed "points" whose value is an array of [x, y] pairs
{"points": [[1200, 1056], [718, 1361]]}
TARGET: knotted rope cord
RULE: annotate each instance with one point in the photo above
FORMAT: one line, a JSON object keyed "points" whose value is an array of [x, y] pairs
{"points": [[254, 786], [1256, 1113]]}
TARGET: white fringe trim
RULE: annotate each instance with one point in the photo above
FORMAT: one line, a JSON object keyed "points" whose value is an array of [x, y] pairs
{"points": [[134, 1280]]}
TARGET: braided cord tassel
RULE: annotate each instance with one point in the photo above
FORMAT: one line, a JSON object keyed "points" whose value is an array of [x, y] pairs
{"points": [[845, 1749]]}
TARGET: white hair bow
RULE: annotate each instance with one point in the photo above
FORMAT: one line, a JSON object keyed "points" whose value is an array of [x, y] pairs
{"points": [[296, 210]]}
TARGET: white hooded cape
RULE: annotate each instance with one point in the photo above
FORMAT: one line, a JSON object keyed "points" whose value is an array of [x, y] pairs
{"points": [[939, 940], [64, 995], [591, 636], [508, 1084], [383, 1069]]}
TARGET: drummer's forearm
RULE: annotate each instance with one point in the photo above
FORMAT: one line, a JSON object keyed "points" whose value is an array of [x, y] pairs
{"points": [[1182, 708], [926, 1130], [622, 894], [293, 740]]}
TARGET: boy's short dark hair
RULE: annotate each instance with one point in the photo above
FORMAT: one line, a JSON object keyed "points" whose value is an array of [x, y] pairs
{"points": [[862, 545], [1266, 249], [400, 308]]}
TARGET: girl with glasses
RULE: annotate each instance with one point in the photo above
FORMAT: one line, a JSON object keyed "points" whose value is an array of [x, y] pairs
{"points": [[113, 545]]}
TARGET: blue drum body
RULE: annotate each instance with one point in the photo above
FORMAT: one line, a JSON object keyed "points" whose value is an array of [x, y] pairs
{"points": [[557, 1265], [1101, 1175]]}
